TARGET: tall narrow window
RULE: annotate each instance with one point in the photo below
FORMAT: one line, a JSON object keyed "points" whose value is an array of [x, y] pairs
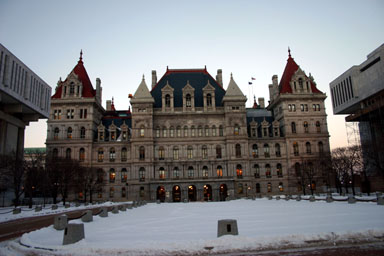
{"points": [[56, 132], [293, 127], [204, 152], [219, 171], [158, 132], [82, 133], [171, 132], [218, 152], [308, 148], [205, 172], [82, 155], [124, 175], [68, 153], [266, 150], [112, 155], [238, 150], [321, 147], [295, 148], [142, 174], [71, 88], [190, 152], [200, 131], [112, 175], [318, 128], [188, 101], [206, 131], [269, 187], [161, 153], [176, 173], [213, 131], [55, 153], [185, 131], [123, 192], [277, 150], [161, 173], [268, 173], [306, 128], [100, 155], [221, 131], [142, 153], [124, 154], [142, 131], [255, 151], [193, 131], [190, 172], [279, 170], [281, 188], [178, 131], [69, 133], [301, 83], [167, 101], [239, 171], [236, 130], [256, 170], [209, 100], [175, 153]]}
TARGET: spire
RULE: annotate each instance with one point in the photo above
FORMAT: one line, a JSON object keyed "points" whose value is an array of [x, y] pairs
{"points": [[254, 102], [233, 90], [142, 93], [113, 105], [289, 52]]}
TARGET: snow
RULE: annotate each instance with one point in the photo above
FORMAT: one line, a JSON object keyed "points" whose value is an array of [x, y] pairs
{"points": [[186, 228]]}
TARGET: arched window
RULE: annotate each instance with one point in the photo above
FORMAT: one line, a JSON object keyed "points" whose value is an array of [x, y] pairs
{"points": [[81, 155], [206, 130], [178, 131], [112, 154], [209, 100], [142, 131], [164, 132], [200, 131], [55, 153], [176, 173], [205, 171], [167, 101], [236, 130], [268, 173], [188, 100], [255, 151], [213, 131], [293, 127], [279, 170], [124, 154], [190, 172], [239, 171], [189, 152], [295, 148], [175, 153], [204, 152], [218, 152], [100, 155], [308, 148], [171, 132], [193, 131], [112, 175], [185, 131], [321, 147], [318, 127], [219, 171], [68, 153], [161, 173], [306, 129], [157, 132], [238, 150], [82, 133], [269, 187], [124, 175], [69, 133], [277, 150], [56, 132], [142, 174], [266, 150], [256, 170], [221, 131], [161, 153], [142, 153]]}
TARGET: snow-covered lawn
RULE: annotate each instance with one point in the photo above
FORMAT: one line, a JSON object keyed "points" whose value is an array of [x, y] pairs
{"points": [[186, 228]]}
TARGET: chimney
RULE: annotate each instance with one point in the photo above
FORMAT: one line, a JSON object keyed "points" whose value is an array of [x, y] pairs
{"points": [[98, 90], [275, 80], [109, 105], [261, 102], [219, 77], [154, 78]]}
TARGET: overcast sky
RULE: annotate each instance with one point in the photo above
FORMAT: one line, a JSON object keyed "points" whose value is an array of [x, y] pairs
{"points": [[122, 40]]}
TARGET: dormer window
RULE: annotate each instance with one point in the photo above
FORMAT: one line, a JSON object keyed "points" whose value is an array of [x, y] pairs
{"points": [[71, 88], [188, 100], [167, 101], [301, 83], [209, 100]]}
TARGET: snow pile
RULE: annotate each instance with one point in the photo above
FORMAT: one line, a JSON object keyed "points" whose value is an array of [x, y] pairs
{"points": [[191, 228]]}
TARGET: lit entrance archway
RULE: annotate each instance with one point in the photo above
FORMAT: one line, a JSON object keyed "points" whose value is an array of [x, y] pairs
{"points": [[191, 193], [176, 193], [160, 194], [223, 192], [207, 193]]}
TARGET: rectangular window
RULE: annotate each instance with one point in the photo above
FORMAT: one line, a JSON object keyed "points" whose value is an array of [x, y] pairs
{"points": [[81, 113]]}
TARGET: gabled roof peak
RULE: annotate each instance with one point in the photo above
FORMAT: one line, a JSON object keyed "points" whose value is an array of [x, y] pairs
{"points": [[233, 90]]}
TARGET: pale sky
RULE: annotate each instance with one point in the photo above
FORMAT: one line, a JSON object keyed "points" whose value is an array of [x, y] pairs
{"points": [[122, 40]]}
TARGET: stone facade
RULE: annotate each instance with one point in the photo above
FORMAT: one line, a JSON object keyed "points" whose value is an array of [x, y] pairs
{"points": [[189, 138]]}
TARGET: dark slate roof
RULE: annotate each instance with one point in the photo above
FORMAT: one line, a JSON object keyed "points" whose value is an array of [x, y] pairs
{"points": [[258, 115], [177, 79], [118, 118]]}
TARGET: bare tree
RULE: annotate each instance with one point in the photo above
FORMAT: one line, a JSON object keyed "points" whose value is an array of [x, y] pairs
{"points": [[34, 171], [90, 180]]}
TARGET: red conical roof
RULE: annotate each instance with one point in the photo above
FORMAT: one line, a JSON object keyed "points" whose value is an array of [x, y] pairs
{"points": [[82, 74], [289, 71]]}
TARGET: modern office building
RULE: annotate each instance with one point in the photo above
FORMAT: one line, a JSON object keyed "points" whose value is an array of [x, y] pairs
{"points": [[188, 138], [359, 93]]}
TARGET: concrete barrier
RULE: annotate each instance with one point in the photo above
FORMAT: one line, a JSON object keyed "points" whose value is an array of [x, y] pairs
{"points": [[73, 233], [298, 198], [38, 208], [329, 199], [115, 209], [123, 208], [277, 197], [67, 205], [16, 210], [60, 222], [227, 227], [129, 206], [77, 204], [87, 216], [380, 200], [55, 207], [312, 199], [351, 199], [104, 212], [270, 197]]}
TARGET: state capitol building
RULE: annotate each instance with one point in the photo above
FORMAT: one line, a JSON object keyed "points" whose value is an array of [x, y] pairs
{"points": [[190, 138]]}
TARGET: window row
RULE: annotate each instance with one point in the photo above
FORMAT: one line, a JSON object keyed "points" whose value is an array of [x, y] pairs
{"points": [[268, 171], [303, 107], [70, 114], [112, 154], [306, 127], [188, 132], [308, 148], [266, 150], [69, 133]]}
